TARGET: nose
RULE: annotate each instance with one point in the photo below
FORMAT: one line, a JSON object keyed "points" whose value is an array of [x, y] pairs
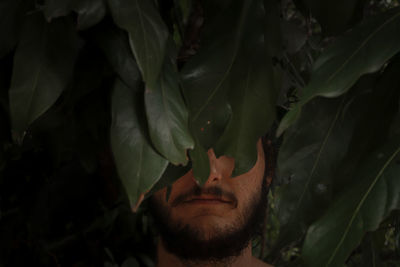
{"points": [[216, 169]]}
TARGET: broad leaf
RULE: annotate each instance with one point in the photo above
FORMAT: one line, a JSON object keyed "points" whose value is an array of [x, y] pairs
{"points": [[43, 65], [139, 165], [213, 83], [361, 208], [324, 145], [11, 16], [364, 50], [90, 12], [115, 45], [167, 116], [147, 34], [252, 96], [306, 160]]}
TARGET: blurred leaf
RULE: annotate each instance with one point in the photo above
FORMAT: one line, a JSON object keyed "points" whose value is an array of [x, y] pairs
{"points": [[11, 16], [90, 12], [130, 262], [364, 50], [147, 34], [43, 66], [168, 117], [138, 165], [115, 45], [359, 209], [215, 82], [334, 16]]}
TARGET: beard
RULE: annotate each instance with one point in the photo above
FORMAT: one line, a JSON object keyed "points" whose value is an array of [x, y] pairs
{"points": [[223, 244]]}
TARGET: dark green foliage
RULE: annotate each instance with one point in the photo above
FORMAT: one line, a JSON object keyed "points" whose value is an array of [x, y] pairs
{"points": [[102, 103]]}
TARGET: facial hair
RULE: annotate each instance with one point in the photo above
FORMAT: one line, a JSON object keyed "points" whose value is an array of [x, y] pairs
{"points": [[187, 242]]}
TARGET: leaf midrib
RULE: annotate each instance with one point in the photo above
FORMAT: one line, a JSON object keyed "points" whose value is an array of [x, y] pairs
{"points": [[358, 208], [228, 70]]}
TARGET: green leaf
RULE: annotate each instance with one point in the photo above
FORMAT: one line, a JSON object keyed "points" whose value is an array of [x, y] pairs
{"points": [[322, 148], [306, 160], [11, 16], [364, 50], [43, 66], [171, 174], [214, 81], [252, 96], [90, 12], [168, 117], [139, 165], [147, 34], [361, 208], [115, 45]]}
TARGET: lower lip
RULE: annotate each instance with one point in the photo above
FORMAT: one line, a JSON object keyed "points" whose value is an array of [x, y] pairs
{"points": [[206, 202]]}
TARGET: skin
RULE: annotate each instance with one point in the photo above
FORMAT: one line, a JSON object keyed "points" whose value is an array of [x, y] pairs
{"points": [[208, 212]]}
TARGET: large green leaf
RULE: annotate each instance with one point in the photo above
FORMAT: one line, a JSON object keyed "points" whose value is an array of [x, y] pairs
{"points": [[90, 12], [252, 96], [364, 50], [324, 145], [11, 15], [306, 160], [43, 65], [361, 208], [147, 34], [168, 117], [139, 165], [215, 79], [115, 45]]}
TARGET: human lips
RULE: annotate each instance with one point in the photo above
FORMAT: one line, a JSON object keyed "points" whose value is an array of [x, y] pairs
{"points": [[207, 199]]}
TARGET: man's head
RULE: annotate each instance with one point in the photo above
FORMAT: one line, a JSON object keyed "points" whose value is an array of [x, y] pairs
{"points": [[218, 220]]}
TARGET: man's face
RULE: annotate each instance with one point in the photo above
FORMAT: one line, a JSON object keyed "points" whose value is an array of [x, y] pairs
{"points": [[224, 211]]}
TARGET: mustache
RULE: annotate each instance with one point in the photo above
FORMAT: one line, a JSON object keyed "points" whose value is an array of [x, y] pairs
{"points": [[198, 191]]}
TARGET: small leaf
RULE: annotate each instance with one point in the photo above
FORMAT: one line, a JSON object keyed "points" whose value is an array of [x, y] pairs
{"points": [[361, 208], [139, 165], [147, 34], [43, 66], [364, 50], [168, 117]]}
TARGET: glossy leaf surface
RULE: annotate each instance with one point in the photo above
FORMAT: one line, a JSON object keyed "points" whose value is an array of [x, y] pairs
{"points": [[215, 82], [43, 66], [147, 34], [139, 165], [168, 116], [364, 50]]}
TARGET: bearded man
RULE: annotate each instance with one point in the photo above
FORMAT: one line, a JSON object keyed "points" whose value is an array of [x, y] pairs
{"points": [[212, 225]]}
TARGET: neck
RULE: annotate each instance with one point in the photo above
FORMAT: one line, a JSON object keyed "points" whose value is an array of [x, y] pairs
{"points": [[166, 259]]}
